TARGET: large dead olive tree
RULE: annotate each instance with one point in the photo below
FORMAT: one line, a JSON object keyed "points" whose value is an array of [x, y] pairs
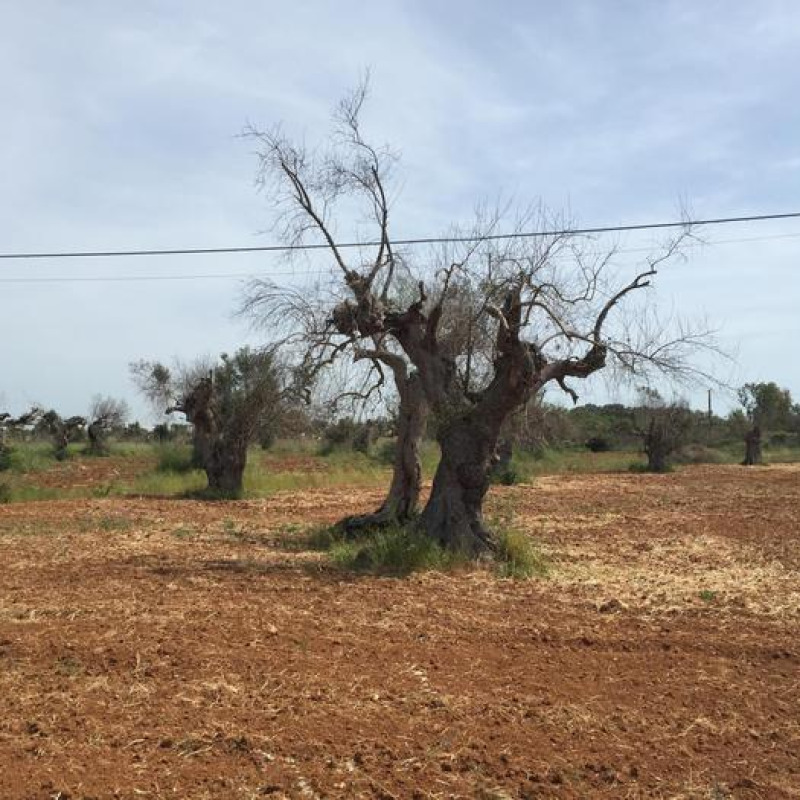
{"points": [[555, 306], [320, 325], [225, 405]]}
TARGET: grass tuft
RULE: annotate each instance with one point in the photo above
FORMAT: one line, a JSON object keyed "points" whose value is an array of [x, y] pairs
{"points": [[518, 556]]}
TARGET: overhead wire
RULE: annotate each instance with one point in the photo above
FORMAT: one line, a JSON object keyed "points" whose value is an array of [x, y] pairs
{"points": [[287, 248], [299, 272]]}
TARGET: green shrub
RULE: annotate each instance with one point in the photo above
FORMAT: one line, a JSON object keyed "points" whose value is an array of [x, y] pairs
{"points": [[505, 476], [5, 493], [174, 458], [338, 435], [5, 458], [387, 451]]}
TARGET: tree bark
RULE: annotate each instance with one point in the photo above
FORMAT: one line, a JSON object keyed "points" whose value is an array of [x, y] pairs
{"points": [[656, 459], [453, 515], [97, 445], [225, 468], [656, 448], [752, 447], [402, 500]]}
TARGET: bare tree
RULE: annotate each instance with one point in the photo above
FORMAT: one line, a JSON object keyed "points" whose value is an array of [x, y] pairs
{"points": [[105, 414], [225, 406], [553, 304], [323, 324]]}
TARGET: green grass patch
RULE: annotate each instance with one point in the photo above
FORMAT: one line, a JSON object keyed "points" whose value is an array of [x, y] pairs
{"points": [[401, 550], [159, 483], [30, 457], [173, 457], [518, 556], [18, 491], [395, 551]]}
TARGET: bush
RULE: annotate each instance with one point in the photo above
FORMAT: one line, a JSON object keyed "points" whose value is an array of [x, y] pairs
{"points": [[174, 458], [5, 493], [5, 458], [387, 451], [339, 434], [505, 476], [348, 434], [162, 433], [363, 439], [598, 444]]}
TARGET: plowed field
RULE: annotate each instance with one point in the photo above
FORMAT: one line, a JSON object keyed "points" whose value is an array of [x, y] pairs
{"points": [[156, 648]]}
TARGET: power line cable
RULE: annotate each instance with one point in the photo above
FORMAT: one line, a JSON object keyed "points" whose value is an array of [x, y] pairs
{"points": [[287, 248], [300, 272]]}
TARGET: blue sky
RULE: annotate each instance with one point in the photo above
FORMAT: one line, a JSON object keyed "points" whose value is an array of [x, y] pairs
{"points": [[121, 122]]}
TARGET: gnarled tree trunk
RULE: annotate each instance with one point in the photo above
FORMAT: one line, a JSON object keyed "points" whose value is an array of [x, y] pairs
{"points": [[752, 447], [657, 448], [97, 445], [223, 459], [224, 467], [453, 515], [401, 503]]}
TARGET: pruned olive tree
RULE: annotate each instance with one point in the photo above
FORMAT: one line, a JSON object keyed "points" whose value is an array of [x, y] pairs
{"points": [[663, 426], [554, 306], [61, 431], [105, 415], [225, 405], [767, 407]]}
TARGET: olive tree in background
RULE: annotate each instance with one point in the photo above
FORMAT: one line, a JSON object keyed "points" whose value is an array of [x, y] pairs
{"points": [[61, 431], [664, 428], [225, 405], [767, 407]]}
